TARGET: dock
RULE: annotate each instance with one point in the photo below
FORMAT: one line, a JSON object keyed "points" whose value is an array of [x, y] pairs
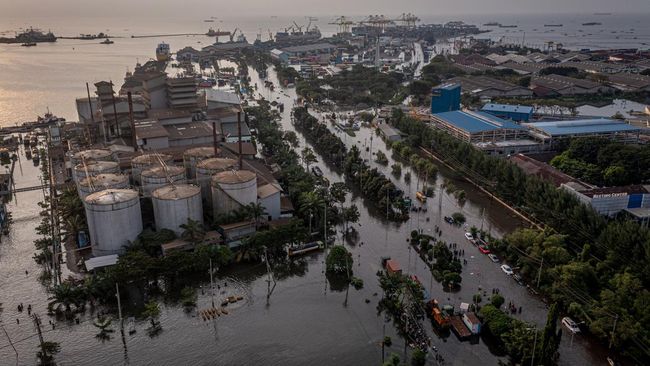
{"points": [[459, 327], [170, 35]]}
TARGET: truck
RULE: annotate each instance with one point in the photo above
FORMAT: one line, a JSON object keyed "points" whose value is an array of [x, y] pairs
{"points": [[472, 323]]}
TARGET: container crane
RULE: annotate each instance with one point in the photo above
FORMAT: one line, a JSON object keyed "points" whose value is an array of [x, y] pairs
{"points": [[408, 19], [343, 23], [298, 27]]}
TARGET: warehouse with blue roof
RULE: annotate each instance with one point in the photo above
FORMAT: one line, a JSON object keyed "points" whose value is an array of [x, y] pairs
{"points": [[548, 133], [519, 113]]}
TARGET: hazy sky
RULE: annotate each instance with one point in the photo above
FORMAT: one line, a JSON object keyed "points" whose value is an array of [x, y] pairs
{"points": [[42, 8]]}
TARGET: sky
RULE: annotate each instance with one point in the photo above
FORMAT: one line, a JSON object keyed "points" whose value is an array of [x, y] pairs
{"points": [[65, 8]]}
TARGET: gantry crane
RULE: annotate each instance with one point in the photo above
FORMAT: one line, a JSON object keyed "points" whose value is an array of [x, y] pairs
{"points": [[343, 23]]}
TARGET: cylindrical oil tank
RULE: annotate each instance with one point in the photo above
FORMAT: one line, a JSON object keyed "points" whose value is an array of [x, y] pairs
{"points": [[92, 169], [114, 220], [193, 156], [91, 155], [101, 182], [174, 204], [159, 176], [233, 189], [146, 161], [206, 169]]}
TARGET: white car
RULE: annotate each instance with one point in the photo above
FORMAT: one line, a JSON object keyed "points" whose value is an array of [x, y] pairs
{"points": [[493, 257], [469, 237], [506, 269], [571, 325]]}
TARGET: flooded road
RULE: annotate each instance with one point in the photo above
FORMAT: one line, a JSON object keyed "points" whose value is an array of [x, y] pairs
{"points": [[306, 320]]}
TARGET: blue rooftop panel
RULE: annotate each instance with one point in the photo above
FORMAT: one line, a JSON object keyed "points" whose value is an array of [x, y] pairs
{"points": [[492, 107], [476, 121], [583, 126]]}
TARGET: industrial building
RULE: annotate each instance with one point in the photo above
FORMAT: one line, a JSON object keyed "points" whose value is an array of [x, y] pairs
{"points": [[445, 98], [486, 87], [516, 113], [489, 133], [610, 201], [175, 204], [548, 133], [389, 133], [564, 85]]}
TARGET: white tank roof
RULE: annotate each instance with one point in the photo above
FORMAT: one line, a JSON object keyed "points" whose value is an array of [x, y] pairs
{"points": [[216, 163], [161, 172], [107, 179], [111, 196], [234, 176], [200, 152], [97, 166], [92, 154], [176, 192], [149, 159]]}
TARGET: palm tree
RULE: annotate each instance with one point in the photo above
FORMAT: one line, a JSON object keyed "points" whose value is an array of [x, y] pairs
{"points": [[65, 295], [308, 157], [311, 202], [192, 231], [256, 211]]}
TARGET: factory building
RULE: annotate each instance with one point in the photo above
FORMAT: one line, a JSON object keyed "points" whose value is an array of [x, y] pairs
{"points": [[564, 85], [445, 98], [610, 201], [486, 87], [548, 133], [518, 113]]}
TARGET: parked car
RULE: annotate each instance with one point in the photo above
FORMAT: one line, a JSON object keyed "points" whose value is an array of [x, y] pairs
{"points": [[507, 270], [493, 257], [571, 325], [469, 237], [518, 279], [483, 249]]}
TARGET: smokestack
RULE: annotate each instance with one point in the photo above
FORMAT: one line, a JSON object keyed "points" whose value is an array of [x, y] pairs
{"points": [[214, 138], [90, 104], [133, 137], [241, 163], [117, 125]]}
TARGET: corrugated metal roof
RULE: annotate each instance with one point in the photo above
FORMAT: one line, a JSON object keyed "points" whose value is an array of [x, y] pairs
{"points": [[493, 107], [583, 126], [474, 122]]}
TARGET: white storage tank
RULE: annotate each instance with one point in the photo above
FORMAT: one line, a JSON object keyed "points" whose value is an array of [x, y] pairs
{"points": [[101, 182], [114, 220], [193, 156], [208, 168], [174, 204], [92, 169], [233, 189], [91, 155], [159, 176], [146, 161]]}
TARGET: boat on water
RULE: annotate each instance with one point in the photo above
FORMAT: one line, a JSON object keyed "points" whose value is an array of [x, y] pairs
{"points": [[300, 249], [29, 44], [420, 196], [553, 25], [31, 35], [162, 52], [317, 171], [218, 33], [508, 26], [209, 20], [592, 23], [107, 41], [492, 24]]}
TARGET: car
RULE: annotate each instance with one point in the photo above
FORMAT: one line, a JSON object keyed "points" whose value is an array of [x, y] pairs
{"points": [[518, 279], [571, 325], [507, 270], [483, 249], [469, 237], [494, 258]]}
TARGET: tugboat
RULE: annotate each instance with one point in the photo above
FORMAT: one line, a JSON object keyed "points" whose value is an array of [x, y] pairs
{"points": [[29, 44], [107, 41]]}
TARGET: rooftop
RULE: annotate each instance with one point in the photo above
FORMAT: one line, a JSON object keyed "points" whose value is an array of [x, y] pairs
{"points": [[216, 163], [474, 122], [492, 107], [104, 180], [448, 86], [200, 152], [149, 130], [163, 171], [268, 190], [99, 262], [151, 158], [233, 176], [221, 96], [583, 126], [308, 47], [111, 196], [176, 192], [188, 130]]}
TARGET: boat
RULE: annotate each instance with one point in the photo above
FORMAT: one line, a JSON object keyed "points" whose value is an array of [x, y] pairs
{"points": [[209, 20], [553, 25], [218, 33], [131, 325], [162, 52], [30, 36], [508, 26], [28, 44], [421, 196], [304, 248], [107, 41], [592, 23], [492, 24], [317, 171]]}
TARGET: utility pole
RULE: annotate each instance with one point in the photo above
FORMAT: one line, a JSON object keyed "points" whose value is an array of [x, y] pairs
{"points": [[37, 323], [211, 284], [539, 274], [532, 360], [611, 339], [10, 342], [119, 306]]}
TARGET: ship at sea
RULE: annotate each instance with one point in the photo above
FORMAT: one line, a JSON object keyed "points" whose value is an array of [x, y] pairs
{"points": [[162, 52], [295, 34], [30, 36], [553, 25], [218, 33], [492, 24], [592, 23]]}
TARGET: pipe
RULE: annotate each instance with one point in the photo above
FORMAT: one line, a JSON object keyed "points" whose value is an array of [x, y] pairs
{"points": [[132, 122]]}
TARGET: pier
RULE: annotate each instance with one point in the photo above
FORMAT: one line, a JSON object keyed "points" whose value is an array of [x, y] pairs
{"points": [[169, 35]]}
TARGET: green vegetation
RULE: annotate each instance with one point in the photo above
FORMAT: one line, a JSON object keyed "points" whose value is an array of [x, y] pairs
{"points": [[604, 162], [339, 261], [598, 271], [358, 85], [287, 74], [381, 158], [443, 263], [458, 217], [396, 169]]}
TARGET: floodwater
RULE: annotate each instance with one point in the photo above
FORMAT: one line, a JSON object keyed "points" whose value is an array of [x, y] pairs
{"points": [[306, 321]]}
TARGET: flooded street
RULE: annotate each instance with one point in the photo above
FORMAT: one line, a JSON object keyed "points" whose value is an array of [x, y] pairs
{"points": [[306, 321]]}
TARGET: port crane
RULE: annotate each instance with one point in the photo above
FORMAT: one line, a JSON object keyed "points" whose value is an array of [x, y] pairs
{"points": [[298, 27], [343, 23], [232, 35], [408, 19]]}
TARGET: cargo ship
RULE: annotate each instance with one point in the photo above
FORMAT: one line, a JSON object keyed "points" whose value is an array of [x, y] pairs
{"points": [[162, 52], [218, 33], [592, 23], [30, 36]]}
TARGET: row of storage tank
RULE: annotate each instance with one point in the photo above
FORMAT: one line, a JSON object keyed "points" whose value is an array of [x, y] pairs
{"points": [[113, 209]]}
